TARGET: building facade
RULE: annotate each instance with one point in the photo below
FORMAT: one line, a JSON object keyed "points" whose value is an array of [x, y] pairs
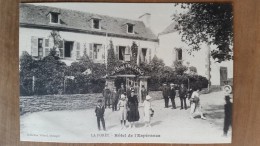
{"points": [[82, 31], [172, 48]]}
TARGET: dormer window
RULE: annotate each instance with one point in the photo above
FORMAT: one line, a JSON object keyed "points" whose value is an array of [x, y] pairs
{"points": [[96, 23], [130, 28], [54, 17]]}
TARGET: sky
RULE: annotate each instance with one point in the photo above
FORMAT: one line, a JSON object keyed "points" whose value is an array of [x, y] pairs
{"points": [[160, 12]]}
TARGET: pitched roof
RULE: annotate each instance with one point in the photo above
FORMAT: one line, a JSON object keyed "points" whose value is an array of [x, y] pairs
{"points": [[171, 28], [37, 16]]}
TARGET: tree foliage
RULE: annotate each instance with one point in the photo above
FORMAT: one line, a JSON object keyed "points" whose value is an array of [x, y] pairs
{"points": [[210, 23], [111, 58]]}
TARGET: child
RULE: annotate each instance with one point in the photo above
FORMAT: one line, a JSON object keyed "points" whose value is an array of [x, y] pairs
{"points": [[195, 104], [148, 112], [228, 114], [100, 110], [122, 105]]}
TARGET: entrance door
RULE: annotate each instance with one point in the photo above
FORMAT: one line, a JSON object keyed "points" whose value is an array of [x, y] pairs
{"points": [[132, 82], [223, 75], [68, 49]]}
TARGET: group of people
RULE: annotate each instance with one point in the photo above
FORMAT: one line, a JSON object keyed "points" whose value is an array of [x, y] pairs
{"points": [[126, 102], [169, 93]]}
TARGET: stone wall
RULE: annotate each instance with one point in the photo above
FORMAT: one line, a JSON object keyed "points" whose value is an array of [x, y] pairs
{"points": [[29, 104]]}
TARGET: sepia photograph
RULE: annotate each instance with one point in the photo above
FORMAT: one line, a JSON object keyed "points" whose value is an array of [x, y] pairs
{"points": [[126, 72]]}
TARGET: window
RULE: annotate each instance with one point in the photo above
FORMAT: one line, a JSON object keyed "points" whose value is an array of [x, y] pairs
{"points": [[178, 54], [96, 23], [130, 28], [68, 49], [143, 54], [40, 47], [97, 51], [54, 17], [121, 53]]}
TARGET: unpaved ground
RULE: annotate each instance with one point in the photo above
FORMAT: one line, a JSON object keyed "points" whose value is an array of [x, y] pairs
{"points": [[172, 126]]}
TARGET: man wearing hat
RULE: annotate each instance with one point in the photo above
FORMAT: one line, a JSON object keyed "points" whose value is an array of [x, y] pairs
{"points": [[114, 99], [228, 115], [165, 92], [121, 90], [143, 93], [183, 95], [172, 94], [106, 94]]}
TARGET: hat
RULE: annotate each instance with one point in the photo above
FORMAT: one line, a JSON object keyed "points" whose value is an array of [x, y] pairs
{"points": [[164, 84], [132, 90], [171, 84], [122, 96], [148, 97]]}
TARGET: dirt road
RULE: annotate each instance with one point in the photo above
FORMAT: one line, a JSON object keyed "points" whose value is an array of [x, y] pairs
{"points": [[168, 125]]}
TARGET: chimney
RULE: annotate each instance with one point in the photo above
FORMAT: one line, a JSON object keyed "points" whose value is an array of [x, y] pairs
{"points": [[146, 19]]}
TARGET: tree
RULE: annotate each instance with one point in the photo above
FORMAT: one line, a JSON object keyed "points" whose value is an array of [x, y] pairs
{"points": [[179, 67], [111, 58], [210, 23], [57, 40], [27, 68], [134, 50]]}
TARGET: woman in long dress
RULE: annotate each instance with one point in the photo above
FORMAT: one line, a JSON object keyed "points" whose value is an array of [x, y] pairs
{"points": [[133, 113], [195, 104]]}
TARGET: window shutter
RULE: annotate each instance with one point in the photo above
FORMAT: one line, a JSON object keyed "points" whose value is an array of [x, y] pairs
{"points": [[34, 46], [90, 51], [128, 50], [150, 54], [73, 52], [78, 51], [103, 52], [61, 48], [47, 43], [117, 52], [46, 47]]}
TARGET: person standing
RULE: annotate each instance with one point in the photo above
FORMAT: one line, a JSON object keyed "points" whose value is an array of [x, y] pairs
{"points": [[147, 111], [183, 96], [143, 93], [228, 115], [195, 104], [172, 94], [122, 106], [106, 94], [133, 113], [100, 110], [165, 92], [122, 90], [114, 99]]}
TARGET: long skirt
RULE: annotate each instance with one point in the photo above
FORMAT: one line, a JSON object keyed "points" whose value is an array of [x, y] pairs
{"points": [[133, 113]]}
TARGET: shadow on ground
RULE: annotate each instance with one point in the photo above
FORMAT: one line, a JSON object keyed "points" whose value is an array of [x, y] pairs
{"points": [[215, 114]]}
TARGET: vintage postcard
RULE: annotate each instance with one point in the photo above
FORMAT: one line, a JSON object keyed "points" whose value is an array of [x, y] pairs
{"points": [[126, 72]]}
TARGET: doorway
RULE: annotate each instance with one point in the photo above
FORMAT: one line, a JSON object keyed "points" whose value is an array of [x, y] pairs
{"points": [[223, 75], [68, 49]]}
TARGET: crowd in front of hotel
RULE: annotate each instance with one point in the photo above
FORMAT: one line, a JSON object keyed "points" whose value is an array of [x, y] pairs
{"points": [[126, 102]]}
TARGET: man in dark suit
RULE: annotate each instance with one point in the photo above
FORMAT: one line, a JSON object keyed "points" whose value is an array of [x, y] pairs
{"points": [[165, 92], [172, 94], [121, 90], [106, 94], [183, 95]]}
